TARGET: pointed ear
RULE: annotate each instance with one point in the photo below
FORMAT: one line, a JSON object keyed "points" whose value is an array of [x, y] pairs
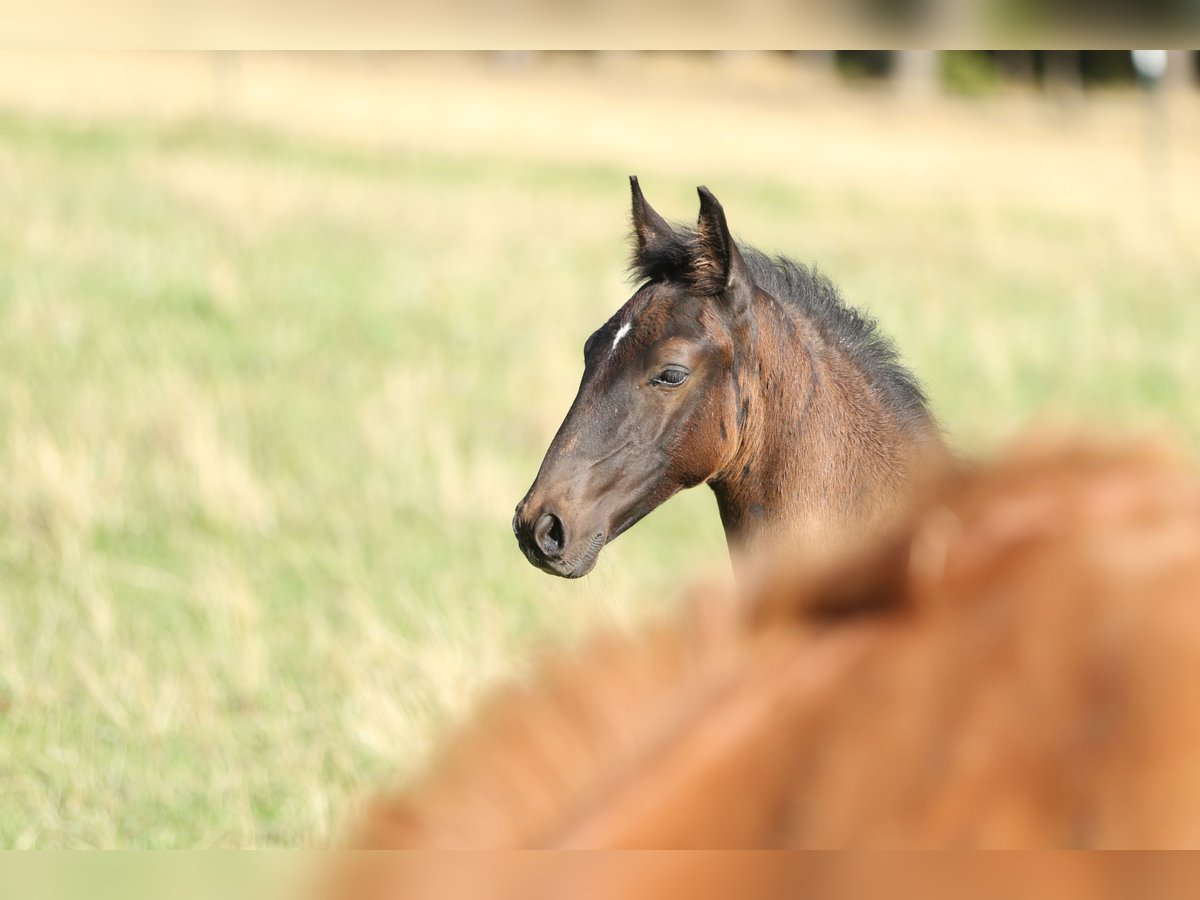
{"points": [[651, 231], [717, 265]]}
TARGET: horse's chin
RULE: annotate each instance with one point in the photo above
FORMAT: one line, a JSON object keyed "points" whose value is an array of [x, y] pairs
{"points": [[587, 560], [583, 568], [575, 567]]}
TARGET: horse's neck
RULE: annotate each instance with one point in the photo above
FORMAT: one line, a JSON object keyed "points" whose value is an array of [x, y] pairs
{"points": [[820, 457]]}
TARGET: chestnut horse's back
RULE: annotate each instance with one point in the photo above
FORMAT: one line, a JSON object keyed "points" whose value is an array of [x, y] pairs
{"points": [[1015, 667]]}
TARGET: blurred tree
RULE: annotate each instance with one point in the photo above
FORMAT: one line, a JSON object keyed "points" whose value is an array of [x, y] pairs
{"points": [[1181, 69], [1062, 73], [864, 63], [917, 72], [969, 72]]}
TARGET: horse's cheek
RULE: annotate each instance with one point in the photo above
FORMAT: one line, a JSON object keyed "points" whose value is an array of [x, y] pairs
{"points": [[701, 447]]}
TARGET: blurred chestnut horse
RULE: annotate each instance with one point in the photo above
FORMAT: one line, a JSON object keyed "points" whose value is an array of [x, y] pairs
{"points": [[735, 369], [1015, 668]]}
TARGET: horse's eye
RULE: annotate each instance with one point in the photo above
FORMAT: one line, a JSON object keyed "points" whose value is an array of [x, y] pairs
{"points": [[671, 376]]}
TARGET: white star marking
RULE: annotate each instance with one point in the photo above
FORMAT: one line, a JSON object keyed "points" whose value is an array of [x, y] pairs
{"points": [[621, 332]]}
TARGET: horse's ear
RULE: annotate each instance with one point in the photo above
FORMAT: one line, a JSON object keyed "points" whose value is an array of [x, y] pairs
{"points": [[651, 231], [717, 265]]}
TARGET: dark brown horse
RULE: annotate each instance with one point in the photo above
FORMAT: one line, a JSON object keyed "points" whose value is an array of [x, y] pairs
{"points": [[735, 369]]}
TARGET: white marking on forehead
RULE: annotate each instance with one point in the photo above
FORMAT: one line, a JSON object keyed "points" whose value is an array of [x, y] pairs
{"points": [[621, 332]]}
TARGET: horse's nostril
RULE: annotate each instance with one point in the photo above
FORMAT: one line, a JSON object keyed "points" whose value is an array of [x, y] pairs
{"points": [[549, 536]]}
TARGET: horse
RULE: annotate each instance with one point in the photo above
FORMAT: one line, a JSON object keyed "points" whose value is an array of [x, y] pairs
{"points": [[732, 368], [1013, 667]]}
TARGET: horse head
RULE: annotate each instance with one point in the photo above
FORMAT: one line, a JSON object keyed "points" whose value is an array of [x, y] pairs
{"points": [[656, 410]]}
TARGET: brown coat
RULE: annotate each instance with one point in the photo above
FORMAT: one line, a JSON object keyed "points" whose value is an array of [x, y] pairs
{"points": [[1018, 667]]}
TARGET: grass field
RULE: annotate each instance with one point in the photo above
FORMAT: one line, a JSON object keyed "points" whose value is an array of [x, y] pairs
{"points": [[268, 394]]}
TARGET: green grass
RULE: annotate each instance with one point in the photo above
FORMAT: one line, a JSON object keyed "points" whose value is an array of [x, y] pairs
{"points": [[266, 404]]}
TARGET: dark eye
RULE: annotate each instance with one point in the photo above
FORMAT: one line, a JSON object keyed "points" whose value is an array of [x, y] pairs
{"points": [[671, 376]]}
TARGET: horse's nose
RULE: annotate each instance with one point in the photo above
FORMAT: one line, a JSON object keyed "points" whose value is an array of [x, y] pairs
{"points": [[549, 536]]}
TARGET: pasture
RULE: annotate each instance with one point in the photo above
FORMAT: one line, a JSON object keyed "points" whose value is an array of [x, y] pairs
{"points": [[272, 379]]}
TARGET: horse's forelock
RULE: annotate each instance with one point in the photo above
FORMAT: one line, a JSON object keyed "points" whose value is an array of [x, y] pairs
{"points": [[683, 258], [667, 259]]}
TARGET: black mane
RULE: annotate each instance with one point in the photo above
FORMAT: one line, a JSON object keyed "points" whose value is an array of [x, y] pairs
{"points": [[815, 297]]}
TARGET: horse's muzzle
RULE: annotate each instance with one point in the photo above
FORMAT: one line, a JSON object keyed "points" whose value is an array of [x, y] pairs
{"points": [[544, 539]]}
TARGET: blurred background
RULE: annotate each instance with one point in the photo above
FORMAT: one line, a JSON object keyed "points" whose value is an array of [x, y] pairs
{"points": [[283, 339]]}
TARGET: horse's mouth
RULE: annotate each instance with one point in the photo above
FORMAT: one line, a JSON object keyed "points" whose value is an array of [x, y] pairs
{"points": [[586, 561], [575, 566]]}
